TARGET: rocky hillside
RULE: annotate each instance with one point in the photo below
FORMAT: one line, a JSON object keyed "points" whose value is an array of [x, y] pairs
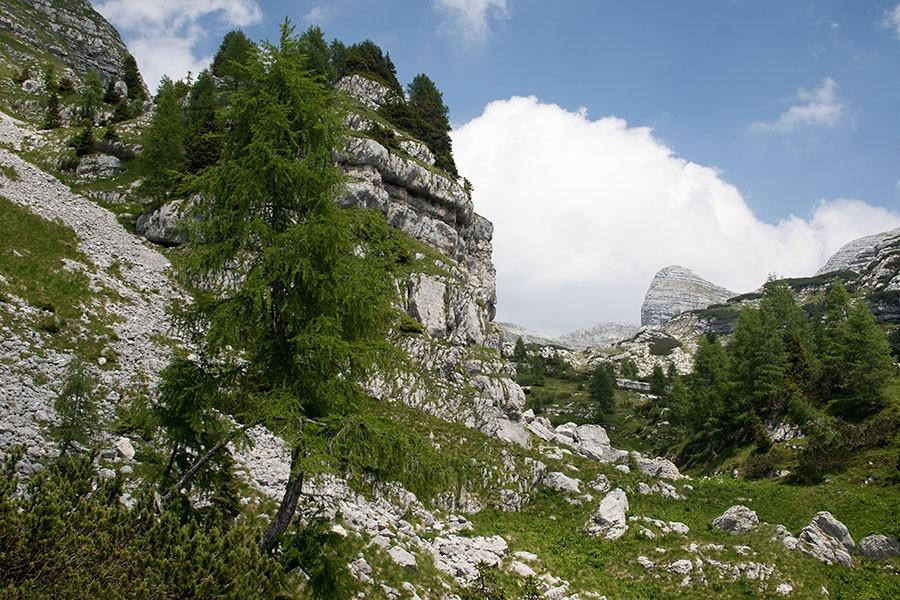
{"points": [[675, 290], [71, 31], [544, 502], [859, 254]]}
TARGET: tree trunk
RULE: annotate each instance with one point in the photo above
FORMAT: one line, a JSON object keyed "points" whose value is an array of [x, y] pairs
{"points": [[285, 510]]}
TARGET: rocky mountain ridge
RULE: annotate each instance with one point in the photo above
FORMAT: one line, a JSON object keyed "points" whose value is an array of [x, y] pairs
{"points": [[675, 290], [600, 334]]}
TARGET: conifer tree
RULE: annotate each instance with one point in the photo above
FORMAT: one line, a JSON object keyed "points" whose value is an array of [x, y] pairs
{"points": [[90, 98], [51, 83], [132, 78], [52, 118], [428, 104], [202, 137], [76, 408], [111, 96], [293, 296], [602, 390], [867, 361], [519, 352], [234, 52], [317, 52], [658, 381], [163, 152], [366, 58]]}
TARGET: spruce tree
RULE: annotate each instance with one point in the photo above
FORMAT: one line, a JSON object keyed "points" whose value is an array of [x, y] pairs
{"points": [[235, 51], [366, 58], [163, 153], [76, 408], [202, 137], [90, 98], [658, 383], [318, 54], [867, 362], [602, 390], [293, 294], [519, 352], [131, 75], [428, 104], [52, 118], [111, 96]]}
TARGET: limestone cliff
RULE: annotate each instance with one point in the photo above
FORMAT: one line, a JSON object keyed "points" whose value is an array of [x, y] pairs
{"points": [[857, 254], [69, 30], [675, 290]]}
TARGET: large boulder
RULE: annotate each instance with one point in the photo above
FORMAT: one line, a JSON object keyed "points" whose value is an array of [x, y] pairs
{"points": [[609, 520], [562, 483], [98, 166], [879, 546], [656, 467], [827, 539], [737, 519], [164, 225]]}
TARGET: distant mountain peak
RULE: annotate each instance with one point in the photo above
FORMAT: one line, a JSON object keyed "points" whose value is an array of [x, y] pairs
{"points": [[676, 289]]}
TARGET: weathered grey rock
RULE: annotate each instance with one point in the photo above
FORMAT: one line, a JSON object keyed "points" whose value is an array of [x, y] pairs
{"points": [[827, 539], [521, 569], [562, 483], [656, 467], [402, 558], [33, 86], [609, 520], [879, 546], [460, 556], [121, 88], [98, 166], [73, 32], [427, 303], [124, 448], [675, 290], [366, 91], [164, 225], [857, 254], [737, 519], [681, 567]]}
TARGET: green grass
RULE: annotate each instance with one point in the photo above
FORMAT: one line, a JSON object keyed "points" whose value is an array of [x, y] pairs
{"points": [[33, 265], [9, 172]]}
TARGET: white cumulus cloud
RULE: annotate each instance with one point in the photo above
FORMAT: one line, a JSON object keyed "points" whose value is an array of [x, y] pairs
{"points": [[164, 35], [891, 19], [820, 106], [470, 18], [586, 211]]}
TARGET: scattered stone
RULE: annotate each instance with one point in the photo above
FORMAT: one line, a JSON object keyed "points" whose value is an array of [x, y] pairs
{"points": [[784, 589], [124, 448], [562, 483], [402, 557], [879, 546], [609, 519], [681, 567], [521, 569], [646, 562], [827, 539], [737, 519]]}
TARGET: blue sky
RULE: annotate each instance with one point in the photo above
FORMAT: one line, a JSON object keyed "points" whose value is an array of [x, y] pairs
{"points": [[791, 102]]}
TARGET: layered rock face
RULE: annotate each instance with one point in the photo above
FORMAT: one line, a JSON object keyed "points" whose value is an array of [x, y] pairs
{"points": [[430, 206], [675, 290], [858, 254], [70, 30]]}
